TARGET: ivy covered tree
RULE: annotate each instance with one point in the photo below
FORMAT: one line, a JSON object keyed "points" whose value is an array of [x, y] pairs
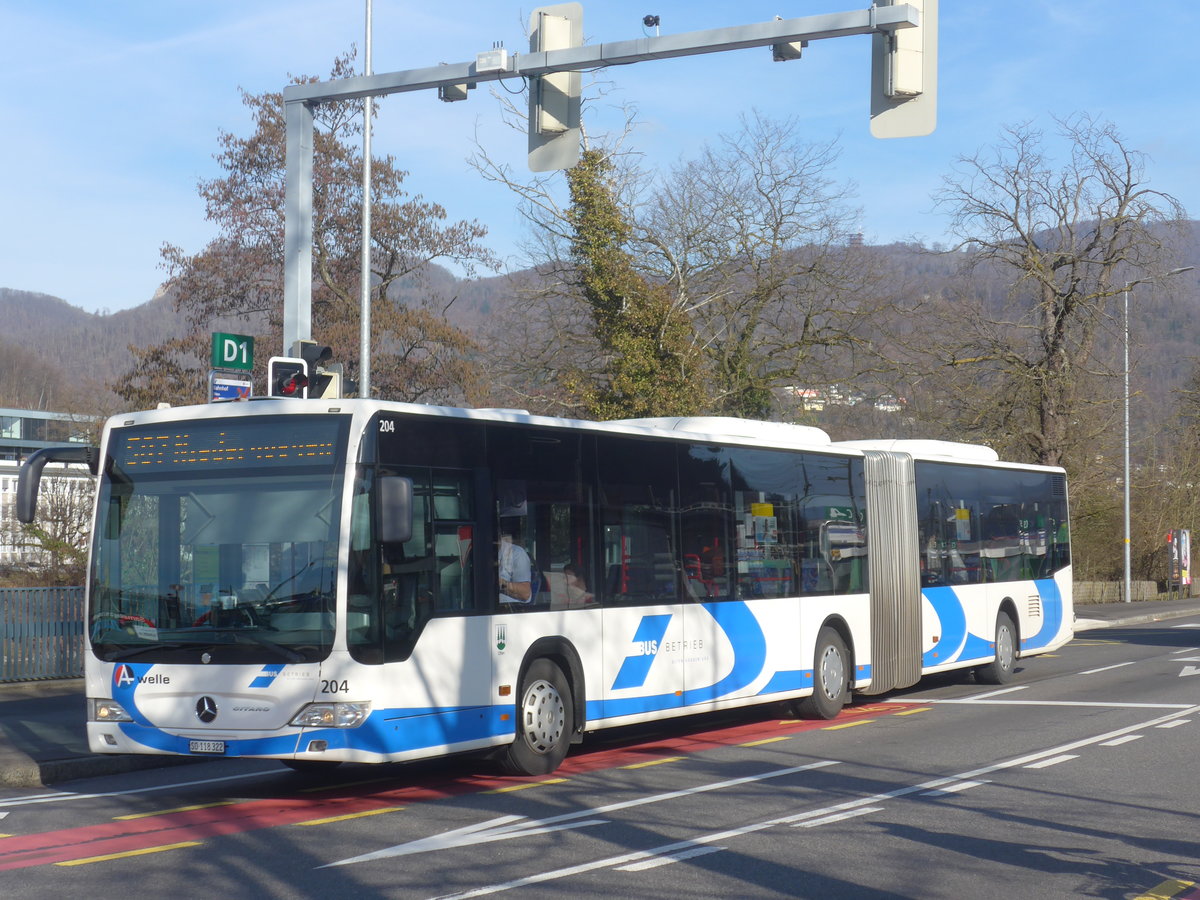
{"points": [[236, 282], [713, 288], [650, 365]]}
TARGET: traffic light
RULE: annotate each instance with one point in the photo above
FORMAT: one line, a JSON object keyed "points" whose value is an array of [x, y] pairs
{"points": [[324, 377], [287, 377], [904, 75], [554, 98]]}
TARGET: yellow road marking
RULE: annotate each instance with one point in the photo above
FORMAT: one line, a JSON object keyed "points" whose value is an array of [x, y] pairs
{"points": [[848, 724], [347, 816], [178, 809], [653, 762], [1167, 890], [909, 712], [769, 740], [521, 787], [127, 854]]}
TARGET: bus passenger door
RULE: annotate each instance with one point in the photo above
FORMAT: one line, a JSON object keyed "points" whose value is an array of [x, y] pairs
{"points": [[642, 618]]}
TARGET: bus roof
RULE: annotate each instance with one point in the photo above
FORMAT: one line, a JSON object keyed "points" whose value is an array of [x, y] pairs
{"points": [[926, 449], [731, 427], [718, 429]]}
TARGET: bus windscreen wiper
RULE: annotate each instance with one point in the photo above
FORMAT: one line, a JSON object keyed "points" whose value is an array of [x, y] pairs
{"points": [[285, 652], [130, 652]]}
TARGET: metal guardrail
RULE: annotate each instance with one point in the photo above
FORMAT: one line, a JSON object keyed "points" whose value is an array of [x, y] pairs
{"points": [[41, 633]]}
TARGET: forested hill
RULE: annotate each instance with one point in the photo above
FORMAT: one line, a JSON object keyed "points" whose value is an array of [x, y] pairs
{"points": [[50, 350], [57, 356]]}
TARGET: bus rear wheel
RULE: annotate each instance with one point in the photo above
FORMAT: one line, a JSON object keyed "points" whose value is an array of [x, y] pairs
{"points": [[1000, 669], [545, 720], [831, 679]]}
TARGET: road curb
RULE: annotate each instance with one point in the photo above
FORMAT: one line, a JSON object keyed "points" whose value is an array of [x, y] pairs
{"points": [[27, 773], [1091, 624]]}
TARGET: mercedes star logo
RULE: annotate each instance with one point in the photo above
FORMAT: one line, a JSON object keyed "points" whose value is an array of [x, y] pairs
{"points": [[206, 709]]}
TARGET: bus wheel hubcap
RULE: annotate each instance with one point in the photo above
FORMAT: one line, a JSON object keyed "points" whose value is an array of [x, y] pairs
{"points": [[544, 716], [832, 673]]}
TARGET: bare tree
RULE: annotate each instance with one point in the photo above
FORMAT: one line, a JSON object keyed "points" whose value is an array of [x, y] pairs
{"points": [[754, 236], [748, 246], [1064, 240], [54, 549]]}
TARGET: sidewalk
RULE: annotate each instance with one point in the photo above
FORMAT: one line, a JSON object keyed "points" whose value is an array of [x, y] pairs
{"points": [[1105, 615], [43, 739]]}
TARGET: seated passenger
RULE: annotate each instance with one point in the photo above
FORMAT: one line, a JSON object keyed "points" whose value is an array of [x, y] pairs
{"points": [[516, 582]]}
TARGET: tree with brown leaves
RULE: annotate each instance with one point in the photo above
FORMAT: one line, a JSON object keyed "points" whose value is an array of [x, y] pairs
{"points": [[236, 282]]}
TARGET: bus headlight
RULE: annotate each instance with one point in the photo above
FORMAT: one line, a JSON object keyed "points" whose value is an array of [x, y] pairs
{"points": [[107, 711], [332, 715]]}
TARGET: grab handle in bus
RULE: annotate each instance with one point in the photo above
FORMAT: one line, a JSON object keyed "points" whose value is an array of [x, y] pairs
{"points": [[395, 509], [30, 475]]}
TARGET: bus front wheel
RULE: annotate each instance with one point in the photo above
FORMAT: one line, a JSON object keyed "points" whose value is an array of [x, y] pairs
{"points": [[831, 679], [1000, 669], [545, 719]]}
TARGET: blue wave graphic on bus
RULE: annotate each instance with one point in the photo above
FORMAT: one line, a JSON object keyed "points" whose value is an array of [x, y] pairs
{"points": [[647, 638], [955, 642], [745, 636], [384, 732], [126, 678], [268, 675], [1052, 614]]}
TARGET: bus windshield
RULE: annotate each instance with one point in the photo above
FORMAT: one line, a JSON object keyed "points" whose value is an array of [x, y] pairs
{"points": [[216, 541]]}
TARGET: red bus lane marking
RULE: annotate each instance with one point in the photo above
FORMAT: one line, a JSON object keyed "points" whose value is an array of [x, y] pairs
{"points": [[126, 835]]}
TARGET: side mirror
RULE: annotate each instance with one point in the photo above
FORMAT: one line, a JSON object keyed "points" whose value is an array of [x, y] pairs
{"points": [[395, 509], [30, 475]]}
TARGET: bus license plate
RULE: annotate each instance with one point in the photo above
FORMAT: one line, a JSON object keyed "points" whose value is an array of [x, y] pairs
{"points": [[217, 747]]}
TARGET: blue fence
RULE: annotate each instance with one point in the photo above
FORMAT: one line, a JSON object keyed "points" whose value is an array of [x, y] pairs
{"points": [[41, 633]]}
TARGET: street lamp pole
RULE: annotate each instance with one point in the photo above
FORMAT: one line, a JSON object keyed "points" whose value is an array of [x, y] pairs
{"points": [[1127, 595]]}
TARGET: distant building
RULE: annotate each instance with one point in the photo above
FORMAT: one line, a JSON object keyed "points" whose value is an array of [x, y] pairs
{"points": [[21, 433]]}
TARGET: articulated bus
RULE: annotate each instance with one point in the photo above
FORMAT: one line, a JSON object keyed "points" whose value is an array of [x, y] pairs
{"points": [[319, 582]]}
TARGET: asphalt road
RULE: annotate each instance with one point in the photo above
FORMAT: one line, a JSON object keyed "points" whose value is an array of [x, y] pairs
{"points": [[1077, 780]]}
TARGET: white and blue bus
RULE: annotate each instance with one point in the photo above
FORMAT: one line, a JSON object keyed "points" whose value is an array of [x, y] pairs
{"points": [[320, 582]]}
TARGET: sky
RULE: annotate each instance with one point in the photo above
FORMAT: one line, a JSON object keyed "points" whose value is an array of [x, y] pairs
{"points": [[114, 110]]}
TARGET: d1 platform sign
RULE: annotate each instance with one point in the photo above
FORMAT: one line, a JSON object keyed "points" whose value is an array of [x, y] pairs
{"points": [[232, 351]]}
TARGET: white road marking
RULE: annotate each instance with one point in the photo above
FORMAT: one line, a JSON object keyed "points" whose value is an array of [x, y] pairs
{"points": [[838, 817], [1189, 670], [62, 796], [665, 860], [966, 701], [717, 837], [1007, 690], [507, 827], [954, 788], [1117, 742], [1052, 761], [1175, 724], [1106, 668]]}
